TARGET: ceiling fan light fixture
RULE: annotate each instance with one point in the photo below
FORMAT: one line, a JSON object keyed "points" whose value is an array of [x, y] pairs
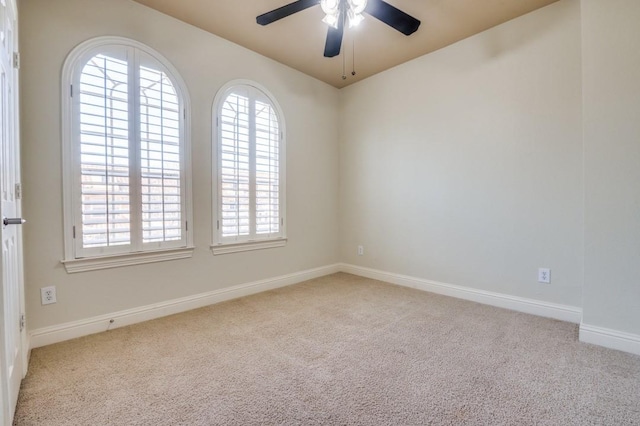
{"points": [[331, 8]]}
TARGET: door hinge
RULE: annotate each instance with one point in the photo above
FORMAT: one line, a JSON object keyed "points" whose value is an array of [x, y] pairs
{"points": [[74, 232], [281, 221], [186, 226], [22, 322], [18, 191], [16, 60], [218, 224], [71, 90]]}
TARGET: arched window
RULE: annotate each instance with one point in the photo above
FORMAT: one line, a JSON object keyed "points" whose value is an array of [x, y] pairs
{"points": [[249, 155], [126, 151]]}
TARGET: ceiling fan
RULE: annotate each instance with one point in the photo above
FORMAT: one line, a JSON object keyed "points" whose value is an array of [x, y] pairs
{"points": [[339, 11]]}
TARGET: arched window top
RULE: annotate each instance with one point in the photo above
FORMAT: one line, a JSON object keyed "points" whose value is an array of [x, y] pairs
{"points": [[117, 52], [249, 89]]}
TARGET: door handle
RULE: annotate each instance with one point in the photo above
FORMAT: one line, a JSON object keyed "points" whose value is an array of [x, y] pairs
{"points": [[13, 221]]}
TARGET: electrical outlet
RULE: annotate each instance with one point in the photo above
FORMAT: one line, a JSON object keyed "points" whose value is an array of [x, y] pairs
{"points": [[48, 295], [544, 275], [360, 250]]}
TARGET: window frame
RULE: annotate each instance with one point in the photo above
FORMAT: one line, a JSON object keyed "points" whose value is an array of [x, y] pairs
{"points": [[76, 258], [222, 245]]}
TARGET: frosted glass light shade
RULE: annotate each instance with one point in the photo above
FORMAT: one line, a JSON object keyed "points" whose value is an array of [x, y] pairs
{"points": [[357, 6], [331, 20], [330, 7], [354, 18]]}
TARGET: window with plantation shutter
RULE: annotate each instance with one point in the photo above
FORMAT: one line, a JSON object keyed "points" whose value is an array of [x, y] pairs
{"points": [[249, 142], [126, 178]]}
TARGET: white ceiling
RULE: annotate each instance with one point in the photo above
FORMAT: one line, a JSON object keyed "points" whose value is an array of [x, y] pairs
{"points": [[298, 40]]}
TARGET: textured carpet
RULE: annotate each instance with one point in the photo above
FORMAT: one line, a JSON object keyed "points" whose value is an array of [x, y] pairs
{"points": [[338, 350]]}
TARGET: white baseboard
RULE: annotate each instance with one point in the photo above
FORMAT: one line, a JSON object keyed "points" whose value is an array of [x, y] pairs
{"points": [[609, 338], [71, 330], [530, 306]]}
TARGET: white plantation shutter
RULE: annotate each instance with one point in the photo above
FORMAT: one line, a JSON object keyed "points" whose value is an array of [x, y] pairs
{"points": [[160, 157], [234, 167], [267, 170], [249, 167], [128, 120], [104, 153]]}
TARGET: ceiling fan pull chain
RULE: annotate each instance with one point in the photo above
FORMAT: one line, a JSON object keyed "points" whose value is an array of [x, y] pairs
{"points": [[344, 66], [353, 52]]}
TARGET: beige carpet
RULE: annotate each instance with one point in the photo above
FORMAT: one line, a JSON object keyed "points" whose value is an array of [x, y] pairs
{"points": [[339, 350]]}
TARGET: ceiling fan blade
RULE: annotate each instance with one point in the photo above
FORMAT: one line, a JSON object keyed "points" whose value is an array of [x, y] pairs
{"points": [[284, 11], [392, 16], [334, 39]]}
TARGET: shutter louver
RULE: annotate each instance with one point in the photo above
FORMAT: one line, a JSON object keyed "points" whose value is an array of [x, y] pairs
{"points": [[160, 158], [104, 153]]}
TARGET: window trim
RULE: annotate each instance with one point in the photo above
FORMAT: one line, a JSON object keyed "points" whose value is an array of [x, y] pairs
{"points": [[218, 246], [129, 259], [70, 163]]}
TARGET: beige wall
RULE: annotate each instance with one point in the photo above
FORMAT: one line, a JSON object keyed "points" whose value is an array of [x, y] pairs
{"points": [[465, 166], [49, 30], [611, 91]]}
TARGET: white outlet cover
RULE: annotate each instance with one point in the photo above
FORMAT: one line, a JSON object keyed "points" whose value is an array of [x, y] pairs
{"points": [[544, 275], [48, 295]]}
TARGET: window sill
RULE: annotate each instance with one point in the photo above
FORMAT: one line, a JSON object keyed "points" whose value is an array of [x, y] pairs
{"points": [[115, 261], [248, 246]]}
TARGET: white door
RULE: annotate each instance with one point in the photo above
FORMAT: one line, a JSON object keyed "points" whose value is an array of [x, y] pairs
{"points": [[12, 302]]}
